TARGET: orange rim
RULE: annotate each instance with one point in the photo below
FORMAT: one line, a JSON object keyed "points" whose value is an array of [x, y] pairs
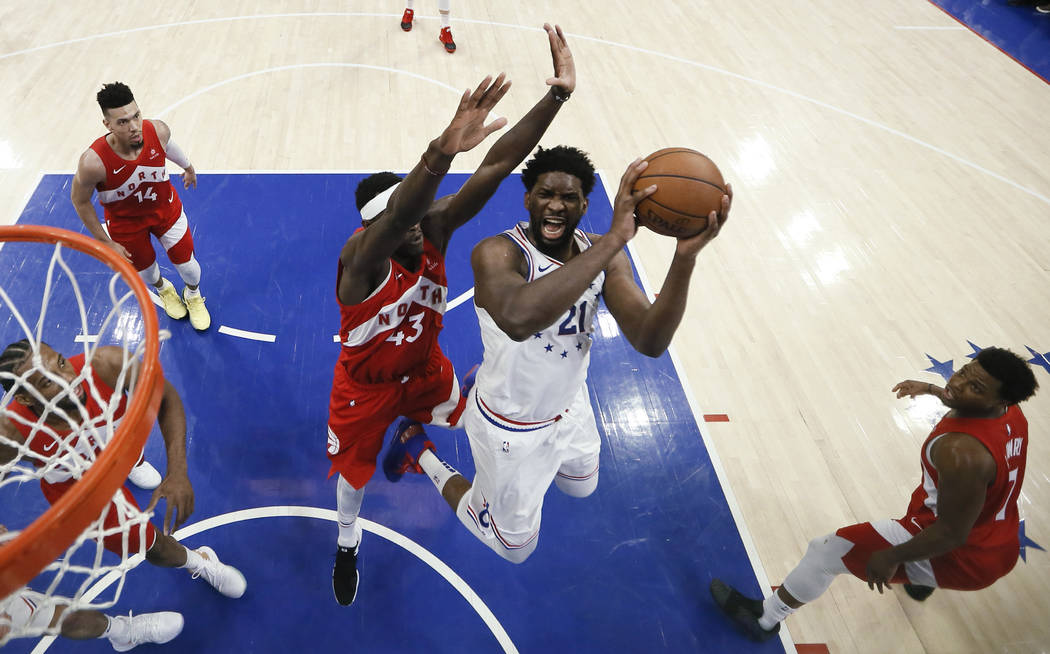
{"points": [[54, 530]]}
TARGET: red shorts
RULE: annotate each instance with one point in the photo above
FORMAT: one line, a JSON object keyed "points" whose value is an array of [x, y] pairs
{"points": [[114, 542], [965, 568], [359, 414], [134, 233]]}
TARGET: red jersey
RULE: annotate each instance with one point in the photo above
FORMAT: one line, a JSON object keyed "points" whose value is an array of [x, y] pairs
{"points": [[1006, 438], [139, 188], [43, 444], [391, 334]]}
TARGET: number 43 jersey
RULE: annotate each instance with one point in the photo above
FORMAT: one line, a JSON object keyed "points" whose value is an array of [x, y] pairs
{"points": [[391, 335], [537, 379]]}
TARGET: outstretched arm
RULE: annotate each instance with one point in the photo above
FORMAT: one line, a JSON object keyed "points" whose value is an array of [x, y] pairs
{"points": [[650, 327], [91, 172], [522, 308], [175, 487], [511, 149], [366, 253]]}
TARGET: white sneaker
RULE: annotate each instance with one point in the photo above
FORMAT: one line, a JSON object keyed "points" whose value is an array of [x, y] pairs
{"points": [[147, 628], [145, 476], [226, 579]]}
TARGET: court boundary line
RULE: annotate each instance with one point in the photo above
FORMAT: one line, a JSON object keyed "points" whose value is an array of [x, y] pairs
{"points": [[712, 453], [291, 511], [688, 62]]}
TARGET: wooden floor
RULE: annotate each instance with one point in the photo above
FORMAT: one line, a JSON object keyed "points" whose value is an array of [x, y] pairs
{"points": [[892, 201]]}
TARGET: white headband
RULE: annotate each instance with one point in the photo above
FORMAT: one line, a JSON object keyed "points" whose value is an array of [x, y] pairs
{"points": [[377, 205]]}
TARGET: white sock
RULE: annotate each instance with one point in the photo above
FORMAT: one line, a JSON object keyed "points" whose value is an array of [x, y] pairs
{"points": [[438, 471], [773, 611], [162, 284], [348, 504], [191, 292], [194, 561], [446, 20], [445, 10], [116, 629]]}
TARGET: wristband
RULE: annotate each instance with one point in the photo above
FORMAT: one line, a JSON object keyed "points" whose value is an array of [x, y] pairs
{"points": [[423, 160]]}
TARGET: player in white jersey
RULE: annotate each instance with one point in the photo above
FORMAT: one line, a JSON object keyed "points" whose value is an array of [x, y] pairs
{"points": [[528, 416]]}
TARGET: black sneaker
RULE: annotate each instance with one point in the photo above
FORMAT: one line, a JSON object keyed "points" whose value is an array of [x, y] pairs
{"points": [[917, 592], [344, 575], [744, 611]]}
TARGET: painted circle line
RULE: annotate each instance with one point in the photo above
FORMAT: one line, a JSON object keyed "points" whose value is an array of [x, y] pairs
{"points": [[655, 53], [394, 537]]}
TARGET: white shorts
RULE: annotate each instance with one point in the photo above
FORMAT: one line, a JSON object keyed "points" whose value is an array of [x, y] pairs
{"points": [[25, 610], [515, 463]]}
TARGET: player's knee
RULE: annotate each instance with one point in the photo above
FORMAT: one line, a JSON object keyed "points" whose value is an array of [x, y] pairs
{"points": [[824, 553], [576, 487]]}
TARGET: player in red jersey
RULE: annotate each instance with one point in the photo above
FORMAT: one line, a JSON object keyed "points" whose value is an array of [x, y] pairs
{"points": [[961, 528], [126, 167], [54, 405], [391, 289]]}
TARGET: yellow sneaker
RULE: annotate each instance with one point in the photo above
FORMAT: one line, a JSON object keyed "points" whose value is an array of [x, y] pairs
{"points": [[199, 316], [173, 305]]}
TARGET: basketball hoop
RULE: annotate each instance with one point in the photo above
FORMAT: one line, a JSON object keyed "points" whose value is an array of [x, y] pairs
{"points": [[99, 479]]}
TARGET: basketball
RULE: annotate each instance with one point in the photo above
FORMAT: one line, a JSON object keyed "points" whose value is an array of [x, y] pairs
{"points": [[689, 188]]}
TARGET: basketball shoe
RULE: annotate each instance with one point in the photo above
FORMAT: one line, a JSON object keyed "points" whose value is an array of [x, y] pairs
{"points": [[918, 592], [224, 578], [199, 316], [344, 575], [146, 628], [744, 611], [408, 443], [169, 297], [446, 37], [145, 476], [406, 20]]}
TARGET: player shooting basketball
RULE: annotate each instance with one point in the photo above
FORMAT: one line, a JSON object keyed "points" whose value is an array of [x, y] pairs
{"points": [[529, 416]]}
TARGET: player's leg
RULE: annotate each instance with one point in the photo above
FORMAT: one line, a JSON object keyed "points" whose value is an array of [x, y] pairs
{"points": [[406, 18], [134, 237], [29, 611], [578, 474], [123, 632], [845, 551], [345, 576], [358, 416], [445, 35], [164, 551], [178, 243]]}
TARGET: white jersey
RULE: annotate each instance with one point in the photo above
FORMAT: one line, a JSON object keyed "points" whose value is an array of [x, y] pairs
{"points": [[535, 380]]}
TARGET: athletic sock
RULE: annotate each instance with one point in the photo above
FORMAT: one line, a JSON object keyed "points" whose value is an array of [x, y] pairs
{"points": [[773, 611], [194, 561], [116, 629], [438, 471], [192, 292]]}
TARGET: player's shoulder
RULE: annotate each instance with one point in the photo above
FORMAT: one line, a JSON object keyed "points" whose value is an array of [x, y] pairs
{"points": [[962, 451], [160, 127], [91, 162]]}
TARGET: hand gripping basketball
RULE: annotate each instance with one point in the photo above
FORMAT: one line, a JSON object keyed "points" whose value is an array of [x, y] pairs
{"points": [[627, 199]]}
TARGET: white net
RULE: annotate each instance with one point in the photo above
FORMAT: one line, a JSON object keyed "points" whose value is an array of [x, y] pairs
{"points": [[58, 414]]}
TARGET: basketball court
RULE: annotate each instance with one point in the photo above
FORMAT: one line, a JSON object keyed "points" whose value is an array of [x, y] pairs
{"points": [[892, 188]]}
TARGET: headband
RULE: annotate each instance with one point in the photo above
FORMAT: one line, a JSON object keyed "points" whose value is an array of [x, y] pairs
{"points": [[377, 205]]}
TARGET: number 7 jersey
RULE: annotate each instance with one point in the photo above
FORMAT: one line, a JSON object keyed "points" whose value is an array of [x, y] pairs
{"points": [[536, 379], [391, 334], [1006, 438]]}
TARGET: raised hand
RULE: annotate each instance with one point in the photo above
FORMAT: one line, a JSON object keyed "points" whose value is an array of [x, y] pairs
{"points": [[624, 223], [911, 388], [715, 221], [468, 127], [564, 66]]}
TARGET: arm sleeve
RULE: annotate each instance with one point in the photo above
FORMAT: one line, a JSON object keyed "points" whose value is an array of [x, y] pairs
{"points": [[173, 152]]}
